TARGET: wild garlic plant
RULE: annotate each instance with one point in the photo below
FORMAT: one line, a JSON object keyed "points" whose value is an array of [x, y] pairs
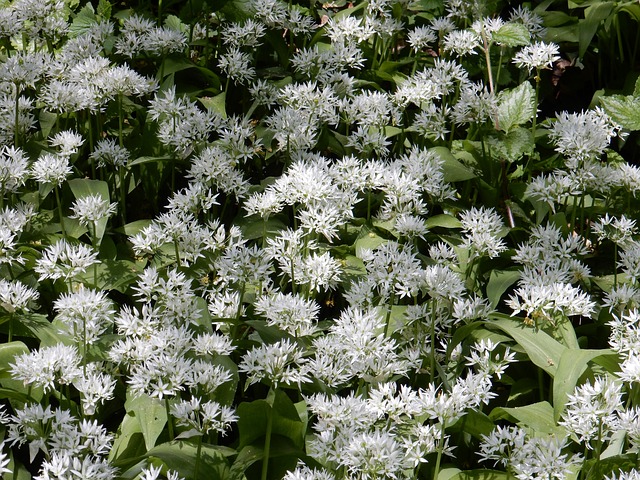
{"points": [[316, 241]]}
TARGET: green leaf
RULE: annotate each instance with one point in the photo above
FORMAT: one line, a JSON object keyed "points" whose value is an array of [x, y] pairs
{"points": [[499, 282], [367, 240], [512, 35], [151, 415], [104, 9], [573, 363], [594, 15], [454, 171], [252, 422], [474, 423], [83, 20], [624, 110], [114, 274], [511, 146], [83, 187], [443, 220], [215, 104], [537, 416], [479, 475], [129, 442], [180, 456], [543, 351], [516, 106], [143, 160]]}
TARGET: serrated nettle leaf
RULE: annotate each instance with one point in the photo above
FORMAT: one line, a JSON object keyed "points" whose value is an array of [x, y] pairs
{"points": [[516, 106], [512, 146], [624, 110], [512, 35]]}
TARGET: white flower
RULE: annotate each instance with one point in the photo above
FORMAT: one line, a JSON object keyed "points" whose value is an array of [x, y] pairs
{"points": [[92, 208], [4, 461], [65, 260], [537, 55], [51, 169], [68, 142], [278, 363]]}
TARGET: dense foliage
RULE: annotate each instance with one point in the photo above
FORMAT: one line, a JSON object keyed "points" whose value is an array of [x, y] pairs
{"points": [[379, 239]]}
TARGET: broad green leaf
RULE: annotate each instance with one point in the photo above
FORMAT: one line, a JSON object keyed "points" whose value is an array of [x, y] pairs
{"points": [[499, 282], [254, 227], [616, 444], [104, 9], [443, 220], [129, 442], [537, 416], [512, 35], [47, 121], [453, 169], [180, 456], [19, 471], [83, 21], [479, 475], [8, 352], [83, 187], [594, 15], [40, 326], [114, 274], [252, 422], [367, 240], [143, 160], [610, 466], [215, 104], [133, 228], [474, 423], [511, 146], [151, 415], [516, 106], [14, 389], [573, 363], [624, 110], [543, 351]]}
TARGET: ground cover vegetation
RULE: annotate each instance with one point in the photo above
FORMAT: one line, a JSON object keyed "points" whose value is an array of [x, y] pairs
{"points": [[383, 239]]}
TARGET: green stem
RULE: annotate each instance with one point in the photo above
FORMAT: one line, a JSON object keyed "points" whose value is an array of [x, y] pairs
{"points": [[169, 420], [388, 318], [16, 132], [123, 194], [436, 470], [10, 327], [267, 445], [57, 193], [120, 121], [535, 105], [236, 326], [432, 350], [198, 453]]}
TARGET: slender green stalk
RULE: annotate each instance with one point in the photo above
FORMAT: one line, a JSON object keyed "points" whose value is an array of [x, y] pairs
{"points": [[388, 318], [535, 105], [267, 445], [169, 419], [432, 350], [198, 454], [123, 193], [436, 470], [10, 327], [16, 131], [57, 193]]}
